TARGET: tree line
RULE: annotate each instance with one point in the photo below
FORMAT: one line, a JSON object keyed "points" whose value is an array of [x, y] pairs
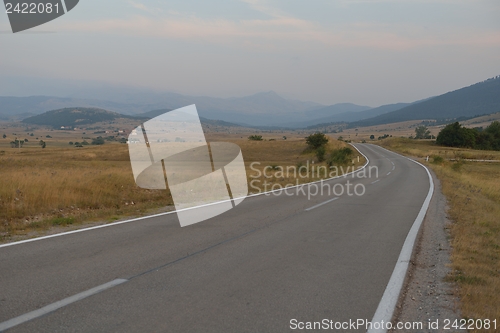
{"points": [[456, 135]]}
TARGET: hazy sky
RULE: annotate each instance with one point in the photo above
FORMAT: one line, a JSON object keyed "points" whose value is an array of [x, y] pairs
{"points": [[368, 52]]}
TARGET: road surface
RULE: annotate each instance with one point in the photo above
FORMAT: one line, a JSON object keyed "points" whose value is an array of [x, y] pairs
{"points": [[270, 260]]}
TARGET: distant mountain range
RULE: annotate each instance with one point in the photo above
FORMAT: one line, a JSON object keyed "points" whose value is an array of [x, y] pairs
{"points": [[266, 109], [81, 117], [262, 109]]}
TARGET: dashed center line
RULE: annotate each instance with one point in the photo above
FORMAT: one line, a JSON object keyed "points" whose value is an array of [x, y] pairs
{"points": [[376, 181], [321, 204], [57, 305], [388, 173]]}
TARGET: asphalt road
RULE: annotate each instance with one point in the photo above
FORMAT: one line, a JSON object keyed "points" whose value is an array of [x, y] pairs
{"points": [[253, 269]]}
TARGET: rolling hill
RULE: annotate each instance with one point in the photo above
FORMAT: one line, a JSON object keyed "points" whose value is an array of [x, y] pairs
{"points": [[74, 117], [478, 99]]}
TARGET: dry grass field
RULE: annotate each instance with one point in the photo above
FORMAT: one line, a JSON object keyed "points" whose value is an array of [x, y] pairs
{"points": [[473, 192], [64, 186]]}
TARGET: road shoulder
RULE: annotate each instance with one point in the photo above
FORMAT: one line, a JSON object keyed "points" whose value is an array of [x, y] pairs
{"points": [[426, 294]]}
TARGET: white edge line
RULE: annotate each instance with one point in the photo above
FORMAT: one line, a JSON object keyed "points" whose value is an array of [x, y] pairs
{"points": [[387, 305], [321, 204], [57, 305], [180, 210]]}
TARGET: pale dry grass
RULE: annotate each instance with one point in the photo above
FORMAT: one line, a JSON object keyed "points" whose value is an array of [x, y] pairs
{"points": [[79, 184], [473, 193], [62, 185]]}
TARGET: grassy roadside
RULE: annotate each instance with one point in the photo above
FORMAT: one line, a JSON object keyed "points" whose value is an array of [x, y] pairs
{"points": [[63, 186], [473, 193]]}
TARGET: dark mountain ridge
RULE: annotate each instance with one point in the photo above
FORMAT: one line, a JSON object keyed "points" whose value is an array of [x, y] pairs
{"points": [[478, 99]]}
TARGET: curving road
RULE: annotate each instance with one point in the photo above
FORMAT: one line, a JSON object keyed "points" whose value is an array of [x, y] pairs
{"points": [[253, 269]]}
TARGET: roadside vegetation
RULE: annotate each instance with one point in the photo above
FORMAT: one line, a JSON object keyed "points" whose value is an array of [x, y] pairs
{"points": [[61, 186], [272, 164], [456, 135], [473, 193]]}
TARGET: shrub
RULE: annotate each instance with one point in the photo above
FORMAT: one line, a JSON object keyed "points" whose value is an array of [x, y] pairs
{"points": [[340, 156], [255, 137], [316, 140], [320, 153], [98, 141]]}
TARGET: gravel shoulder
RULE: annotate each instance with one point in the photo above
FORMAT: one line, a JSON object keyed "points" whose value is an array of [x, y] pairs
{"points": [[426, 295]]}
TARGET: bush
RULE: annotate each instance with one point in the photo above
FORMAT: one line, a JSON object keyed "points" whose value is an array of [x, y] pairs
{"points": [[316, 140], [340, 156], [320, 153], [97, 141], [255, 137]]}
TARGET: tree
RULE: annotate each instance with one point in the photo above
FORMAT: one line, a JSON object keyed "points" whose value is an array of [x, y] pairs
{"points": [[494, 132], [455, 135], [42, 143], [316, 140], [17, 144], [422, 132], [4, 136], [372, 137]]}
